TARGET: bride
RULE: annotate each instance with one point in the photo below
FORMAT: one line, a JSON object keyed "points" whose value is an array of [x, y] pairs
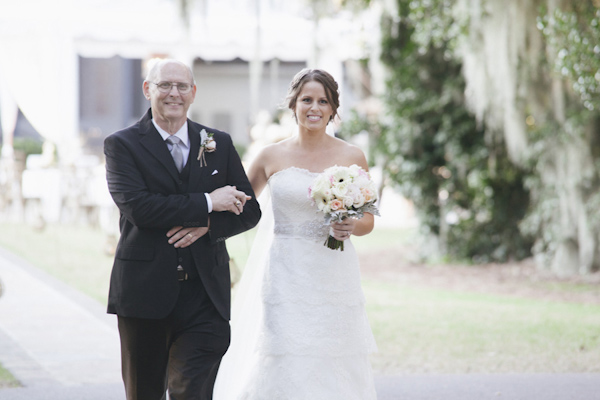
{"points": [[299, 326]]}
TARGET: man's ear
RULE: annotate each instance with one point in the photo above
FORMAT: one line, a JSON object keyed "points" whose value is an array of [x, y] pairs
{"points": [[193, 93], [146, 90]]}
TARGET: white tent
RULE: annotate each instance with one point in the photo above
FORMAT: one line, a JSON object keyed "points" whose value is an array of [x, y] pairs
{"points": [[40, 42]]}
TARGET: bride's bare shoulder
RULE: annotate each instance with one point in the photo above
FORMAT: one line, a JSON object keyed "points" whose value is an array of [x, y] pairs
{"points": [[350, 154], [272, 157], [274, 150]]}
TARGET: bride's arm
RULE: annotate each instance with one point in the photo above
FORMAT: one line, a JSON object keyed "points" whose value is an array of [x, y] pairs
{"points": [[364, 225], [257, 173]]}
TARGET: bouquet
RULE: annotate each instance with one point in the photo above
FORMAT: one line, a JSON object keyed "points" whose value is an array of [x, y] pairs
{"points": [[343, 192]]}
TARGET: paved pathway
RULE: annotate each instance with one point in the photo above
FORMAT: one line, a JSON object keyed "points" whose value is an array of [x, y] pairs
{"points": [[53, 337], [490, 387], [61, 345]]}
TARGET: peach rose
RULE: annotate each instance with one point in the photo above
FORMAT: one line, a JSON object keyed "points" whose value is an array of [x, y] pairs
{"points": [[336, 204], [368, 194]]}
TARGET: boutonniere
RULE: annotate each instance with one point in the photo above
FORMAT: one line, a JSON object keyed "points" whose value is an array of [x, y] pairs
{"points": [[207, 144]]}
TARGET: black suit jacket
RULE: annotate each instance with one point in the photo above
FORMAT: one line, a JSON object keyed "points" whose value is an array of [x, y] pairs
{"points": [[146, 186]]}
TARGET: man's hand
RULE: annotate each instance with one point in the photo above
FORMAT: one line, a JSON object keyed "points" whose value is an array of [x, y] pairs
{"points": [[183, 237], [228, 198]]}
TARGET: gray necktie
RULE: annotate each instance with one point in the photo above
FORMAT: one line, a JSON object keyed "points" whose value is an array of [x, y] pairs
{"points": [[176, 151]]}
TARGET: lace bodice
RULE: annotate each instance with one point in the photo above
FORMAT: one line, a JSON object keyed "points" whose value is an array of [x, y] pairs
{"points": [[294, 214]]}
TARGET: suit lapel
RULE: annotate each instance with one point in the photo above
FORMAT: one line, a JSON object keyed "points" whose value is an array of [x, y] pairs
{"points": [[153, 142]]}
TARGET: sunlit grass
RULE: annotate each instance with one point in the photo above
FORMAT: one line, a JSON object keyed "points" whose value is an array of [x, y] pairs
{"points": [[239, 247], [73, 254], [77, 255], [428, 330], [6, 379], [568, 287], [384, 238]]}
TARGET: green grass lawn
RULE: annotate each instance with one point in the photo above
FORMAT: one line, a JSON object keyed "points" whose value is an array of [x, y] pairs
{"points": [[73, 254], [418, 329], [429, 330]]}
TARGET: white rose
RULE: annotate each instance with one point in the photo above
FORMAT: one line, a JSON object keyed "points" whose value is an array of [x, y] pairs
{"points": [[340, 190], [354, 195], [321, 185], [348, 201], [359, 201], [210, 145], [355, 170], [362, 180]]}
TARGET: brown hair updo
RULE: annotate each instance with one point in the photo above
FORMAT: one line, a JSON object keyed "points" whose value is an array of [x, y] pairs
{"points": [[317, 75]]}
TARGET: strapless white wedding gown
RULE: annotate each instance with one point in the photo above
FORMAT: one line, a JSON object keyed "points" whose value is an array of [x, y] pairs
{"points": [[313, 337]]}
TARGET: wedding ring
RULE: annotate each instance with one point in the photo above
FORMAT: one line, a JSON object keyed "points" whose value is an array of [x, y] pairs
{"points": [[190, 235], [238, 203]]}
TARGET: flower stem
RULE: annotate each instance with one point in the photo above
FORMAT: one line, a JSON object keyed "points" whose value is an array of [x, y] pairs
{"points": [[334, 244]]}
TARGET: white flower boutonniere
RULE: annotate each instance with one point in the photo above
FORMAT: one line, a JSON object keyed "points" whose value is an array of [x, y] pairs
{"points": [[207, 144]]}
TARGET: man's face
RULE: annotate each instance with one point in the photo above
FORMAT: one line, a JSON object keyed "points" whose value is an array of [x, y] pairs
{"points": [[170, 109]]}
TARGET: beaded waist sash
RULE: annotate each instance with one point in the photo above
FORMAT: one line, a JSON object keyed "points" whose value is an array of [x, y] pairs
{"points": [[307, 230]]}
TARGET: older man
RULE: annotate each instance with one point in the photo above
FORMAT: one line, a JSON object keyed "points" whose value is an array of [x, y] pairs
{"points": [[181, 191]]}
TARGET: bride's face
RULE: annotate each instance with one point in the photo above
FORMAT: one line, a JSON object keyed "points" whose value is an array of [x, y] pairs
{"points": [[313, 110]]}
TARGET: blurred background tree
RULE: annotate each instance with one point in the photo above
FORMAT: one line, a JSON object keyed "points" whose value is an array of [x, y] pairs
{"points": [[491, 126]]}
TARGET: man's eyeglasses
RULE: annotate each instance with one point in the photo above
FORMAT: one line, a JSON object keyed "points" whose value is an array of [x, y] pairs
{"points": [[165, 87]]}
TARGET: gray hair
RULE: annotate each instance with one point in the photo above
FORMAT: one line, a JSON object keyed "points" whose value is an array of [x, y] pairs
{"points": [[157, 66]]}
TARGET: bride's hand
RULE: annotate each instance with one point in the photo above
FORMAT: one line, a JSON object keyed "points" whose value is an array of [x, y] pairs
{"points": [[343, 230]]}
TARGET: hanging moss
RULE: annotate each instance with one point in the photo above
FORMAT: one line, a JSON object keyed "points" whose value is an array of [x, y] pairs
{"points": [[459, 176]]}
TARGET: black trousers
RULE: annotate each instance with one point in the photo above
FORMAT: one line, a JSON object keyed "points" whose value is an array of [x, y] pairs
{"points": [[181, 352]]}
